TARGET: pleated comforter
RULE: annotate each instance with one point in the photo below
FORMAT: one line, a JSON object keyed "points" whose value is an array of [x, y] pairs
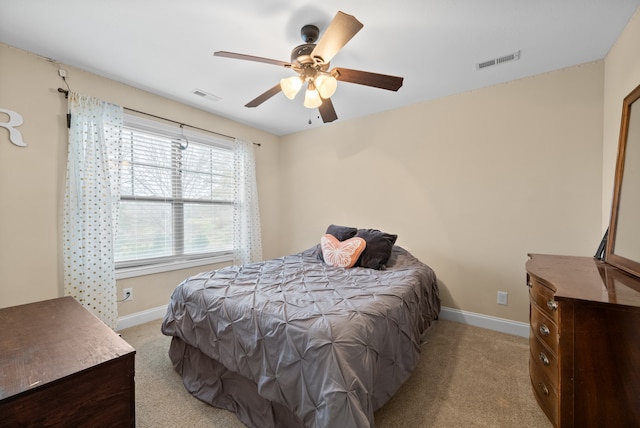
{"points": [[295, 342]]}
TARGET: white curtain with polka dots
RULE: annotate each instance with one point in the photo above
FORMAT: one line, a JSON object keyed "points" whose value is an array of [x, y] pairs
{"points": [[91, 205], [247, 239]]}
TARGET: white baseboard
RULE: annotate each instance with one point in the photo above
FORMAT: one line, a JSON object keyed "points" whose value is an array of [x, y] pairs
{"points": [[142, 317], [485, 321]]}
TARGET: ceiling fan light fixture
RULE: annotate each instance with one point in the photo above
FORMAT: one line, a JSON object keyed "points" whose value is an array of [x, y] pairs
{"points": [[311, 61], [291, 86], [326, 85], [312, 97]]}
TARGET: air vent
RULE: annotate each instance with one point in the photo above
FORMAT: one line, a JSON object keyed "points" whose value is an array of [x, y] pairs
{"points": [[205, 94], [497, 61]]}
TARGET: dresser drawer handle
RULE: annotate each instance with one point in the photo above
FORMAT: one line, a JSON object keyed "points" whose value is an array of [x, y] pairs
{"points": [[544, 359], [552, 305], [544, 389], [544, 330]]}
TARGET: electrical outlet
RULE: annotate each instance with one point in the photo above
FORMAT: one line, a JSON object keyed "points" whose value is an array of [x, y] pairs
{"points": [[502, 297], [127, 294], [62, 73]]}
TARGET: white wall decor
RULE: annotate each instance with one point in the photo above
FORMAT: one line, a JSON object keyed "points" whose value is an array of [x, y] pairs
{"points": [[15, 119]]}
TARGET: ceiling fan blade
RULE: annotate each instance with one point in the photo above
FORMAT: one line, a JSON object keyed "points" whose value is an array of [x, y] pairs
{"points": [[382, 81], [252, 58], [264, 97], [341, 29], [327, 111]]}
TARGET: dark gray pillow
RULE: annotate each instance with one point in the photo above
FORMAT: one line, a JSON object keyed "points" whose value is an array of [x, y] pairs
{"points": [[342, 233], [378, 250]]}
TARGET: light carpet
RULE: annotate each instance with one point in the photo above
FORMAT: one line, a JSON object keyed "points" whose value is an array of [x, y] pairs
{"points": [[466, 377]]}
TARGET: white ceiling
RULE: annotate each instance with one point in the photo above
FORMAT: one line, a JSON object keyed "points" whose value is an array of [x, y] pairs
{"points": [[166, 46]]}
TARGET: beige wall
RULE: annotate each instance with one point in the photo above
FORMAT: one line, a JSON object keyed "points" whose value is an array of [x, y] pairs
{"points": [[471, 183], [622, 75], [32, 178]]}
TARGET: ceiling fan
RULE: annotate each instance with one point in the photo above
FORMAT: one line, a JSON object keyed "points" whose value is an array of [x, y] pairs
{"points": [[311, 61]]}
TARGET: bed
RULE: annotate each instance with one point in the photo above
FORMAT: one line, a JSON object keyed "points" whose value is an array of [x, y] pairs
{"points": [[296, 342]]}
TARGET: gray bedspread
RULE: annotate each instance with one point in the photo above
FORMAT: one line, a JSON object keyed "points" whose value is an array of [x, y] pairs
{"points": [[331, 345]]}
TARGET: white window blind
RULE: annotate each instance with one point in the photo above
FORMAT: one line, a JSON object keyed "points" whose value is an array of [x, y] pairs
{"points": [[176, 195]]}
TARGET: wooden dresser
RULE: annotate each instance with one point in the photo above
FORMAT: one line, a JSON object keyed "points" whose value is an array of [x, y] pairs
{"points": [[584, 341], [61, 366]]}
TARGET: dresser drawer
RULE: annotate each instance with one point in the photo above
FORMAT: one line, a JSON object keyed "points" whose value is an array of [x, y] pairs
{"points": [[545, 393], [544, 298], [547, 360], [544, 328]]}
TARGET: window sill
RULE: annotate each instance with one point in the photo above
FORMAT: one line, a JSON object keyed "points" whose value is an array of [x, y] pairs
{"points": [[132, 272]]}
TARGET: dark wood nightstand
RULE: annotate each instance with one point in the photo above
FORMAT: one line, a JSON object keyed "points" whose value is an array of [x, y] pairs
{"points": [[61, 366]]}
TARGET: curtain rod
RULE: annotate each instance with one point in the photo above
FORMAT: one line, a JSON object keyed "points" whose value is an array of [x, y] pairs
{"points": [[66, 94]]}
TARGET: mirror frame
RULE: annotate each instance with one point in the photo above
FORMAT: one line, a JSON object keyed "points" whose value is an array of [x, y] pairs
{"points": [[629, 265]]}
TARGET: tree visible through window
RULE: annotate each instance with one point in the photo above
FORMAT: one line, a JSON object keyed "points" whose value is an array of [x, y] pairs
{"points": [[176, 197]]}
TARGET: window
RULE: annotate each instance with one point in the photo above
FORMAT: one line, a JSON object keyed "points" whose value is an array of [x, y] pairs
{"points": [[176, 196]]}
